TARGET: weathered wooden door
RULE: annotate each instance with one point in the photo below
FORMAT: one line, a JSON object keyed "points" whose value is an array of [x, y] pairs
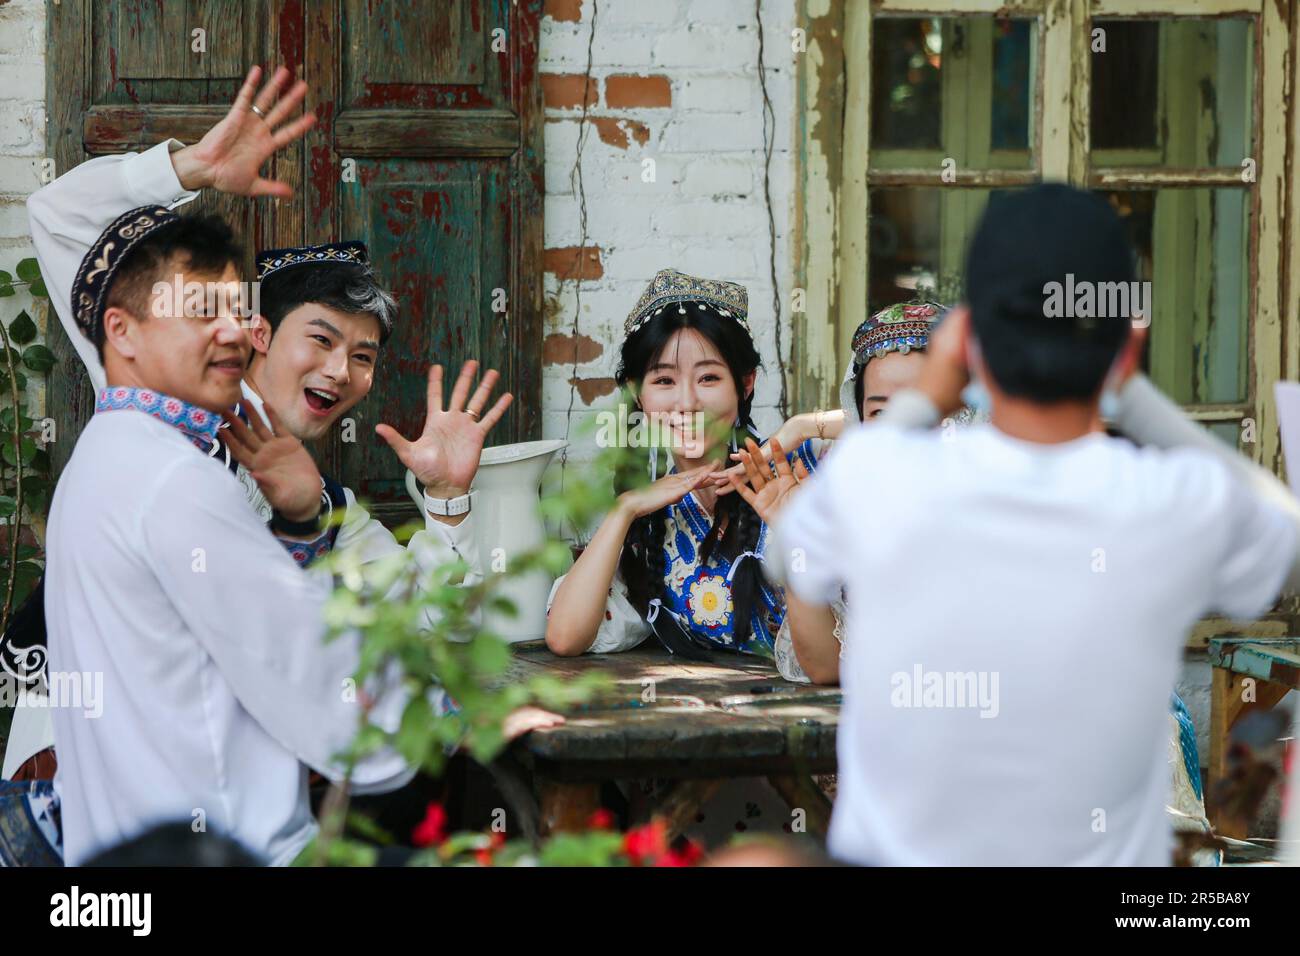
{"points": [[428, 148]]}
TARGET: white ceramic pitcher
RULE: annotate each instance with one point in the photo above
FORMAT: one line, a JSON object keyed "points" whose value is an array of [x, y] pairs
{"points": [[508, 483]]}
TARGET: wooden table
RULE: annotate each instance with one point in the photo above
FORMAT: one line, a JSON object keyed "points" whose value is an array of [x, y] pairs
{"points": [[695, 724], [1248, 674]]}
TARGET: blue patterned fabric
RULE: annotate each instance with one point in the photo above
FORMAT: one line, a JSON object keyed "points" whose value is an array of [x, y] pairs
{"points": [[698, 593], [1187, 742], [30, 833], [197, 424]]}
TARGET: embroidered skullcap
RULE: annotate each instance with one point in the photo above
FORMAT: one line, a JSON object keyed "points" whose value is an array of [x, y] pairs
{"points": [[273, 261], [105, 257]]}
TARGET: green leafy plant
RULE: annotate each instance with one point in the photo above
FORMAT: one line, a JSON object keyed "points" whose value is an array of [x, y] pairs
{"points": [[426, 636], [24, 467]]}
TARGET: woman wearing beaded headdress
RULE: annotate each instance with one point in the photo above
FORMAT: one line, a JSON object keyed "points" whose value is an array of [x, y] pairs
{"points": [[673, 558]]}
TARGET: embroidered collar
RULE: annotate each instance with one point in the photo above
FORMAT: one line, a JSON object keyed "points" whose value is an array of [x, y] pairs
{"points": [[197, 424]]}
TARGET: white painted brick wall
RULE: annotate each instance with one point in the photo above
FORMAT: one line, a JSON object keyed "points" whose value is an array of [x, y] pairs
{"points": [[705, 211], [22, 145]]}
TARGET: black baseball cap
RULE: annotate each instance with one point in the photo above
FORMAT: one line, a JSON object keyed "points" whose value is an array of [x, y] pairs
{"points": [[1028, 238]]}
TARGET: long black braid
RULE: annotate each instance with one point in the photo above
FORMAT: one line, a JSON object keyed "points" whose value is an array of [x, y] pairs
{"points": [[736, 526]]}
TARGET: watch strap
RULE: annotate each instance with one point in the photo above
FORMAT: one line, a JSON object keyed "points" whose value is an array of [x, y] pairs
{"points": [[449, 507]]}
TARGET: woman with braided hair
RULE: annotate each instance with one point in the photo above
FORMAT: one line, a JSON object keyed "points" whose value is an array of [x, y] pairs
{"points": [[673, 558]]}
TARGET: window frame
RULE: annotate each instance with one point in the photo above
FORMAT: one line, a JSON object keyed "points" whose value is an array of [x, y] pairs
{"points": [[837, 172]]}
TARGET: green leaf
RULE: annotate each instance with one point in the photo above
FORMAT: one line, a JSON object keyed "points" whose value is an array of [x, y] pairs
{"points": [[489, 655], [38, 358], [6, 506], [29, 270], [6, 284], [22, 329], [4, 380], [38, 289], [27, 450]]}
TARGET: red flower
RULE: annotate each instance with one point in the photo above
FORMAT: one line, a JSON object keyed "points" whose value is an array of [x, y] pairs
{"points": [[688, 854], [484, 857], [601, 819], [498, 839], [431, 830], [647, 842]]}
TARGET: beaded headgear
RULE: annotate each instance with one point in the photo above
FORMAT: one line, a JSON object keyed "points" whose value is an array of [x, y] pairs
{"points": [[672, 288], [896, 328]]}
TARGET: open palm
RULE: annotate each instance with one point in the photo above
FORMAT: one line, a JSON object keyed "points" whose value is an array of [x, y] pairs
{"points": [[444, 457], [231, 154], [766, 493]]}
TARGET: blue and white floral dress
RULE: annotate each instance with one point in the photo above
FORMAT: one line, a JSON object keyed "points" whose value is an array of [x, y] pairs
{"points": [[697, 592]]}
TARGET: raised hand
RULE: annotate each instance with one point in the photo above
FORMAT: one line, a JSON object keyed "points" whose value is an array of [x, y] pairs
{"points": [[444, 457], [792, 433], [231, 155], [766, 494], [278, 462], [668, 490]]}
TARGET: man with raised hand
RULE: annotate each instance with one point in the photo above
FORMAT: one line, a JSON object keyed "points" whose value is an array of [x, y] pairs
{"points": [[316, 345], [218, 691], [1023, 607]]}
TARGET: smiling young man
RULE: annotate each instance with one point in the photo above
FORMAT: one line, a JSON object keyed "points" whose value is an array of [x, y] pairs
{"points": [[315, 347], [218, 691]]}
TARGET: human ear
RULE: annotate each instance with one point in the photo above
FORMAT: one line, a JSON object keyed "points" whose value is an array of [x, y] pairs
{"points": [[260, 333], [118, 327]]}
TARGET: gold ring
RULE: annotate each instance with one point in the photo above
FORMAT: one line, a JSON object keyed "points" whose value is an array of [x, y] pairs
{"points": [[473, 414], [254, 108]]}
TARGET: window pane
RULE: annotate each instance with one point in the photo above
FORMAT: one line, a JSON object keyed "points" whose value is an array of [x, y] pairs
{"points": [[918, 240], [1227, 432], [1012, 107], [905, 83], [1192, 247], [1179, 89], [957, 87]]}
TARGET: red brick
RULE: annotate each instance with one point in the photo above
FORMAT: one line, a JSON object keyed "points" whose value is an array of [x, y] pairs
{"points": [[563, 91], [590, 389], [566, 10], [562, 263], [638, 92], [560, 349], [614, 131]]}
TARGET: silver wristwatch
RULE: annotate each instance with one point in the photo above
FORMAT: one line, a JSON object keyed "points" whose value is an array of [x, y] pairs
{"points": [[448, 507]]}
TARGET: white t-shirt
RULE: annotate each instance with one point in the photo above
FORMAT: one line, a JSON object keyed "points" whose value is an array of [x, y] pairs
{"points": [[1016, 616]]}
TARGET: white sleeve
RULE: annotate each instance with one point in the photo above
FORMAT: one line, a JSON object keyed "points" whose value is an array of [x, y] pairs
{"points": [[254, 611], [436, 545], [1151, 418], [622, 628], [1259, 552], [31, 732], [68, 215]]}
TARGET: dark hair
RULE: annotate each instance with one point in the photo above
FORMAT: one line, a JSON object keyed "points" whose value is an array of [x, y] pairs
{"points": [[347, 287], [642, 560], [175, 844], [203, 244], [1026, 241]]}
